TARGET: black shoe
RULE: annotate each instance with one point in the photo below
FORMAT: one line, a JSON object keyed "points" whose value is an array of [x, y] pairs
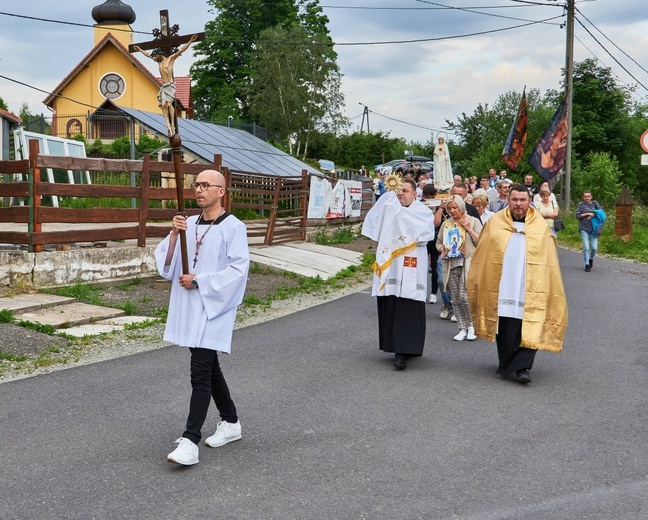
{"points": [[588, 268], [400, 362], [522, 376], [591, 262]]}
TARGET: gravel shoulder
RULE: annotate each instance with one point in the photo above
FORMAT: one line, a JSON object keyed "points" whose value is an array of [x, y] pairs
{"points": [[26, 352]]}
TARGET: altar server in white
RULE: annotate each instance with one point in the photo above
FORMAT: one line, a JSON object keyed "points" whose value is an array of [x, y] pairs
{"points": [[402, 226], [202, 307]]}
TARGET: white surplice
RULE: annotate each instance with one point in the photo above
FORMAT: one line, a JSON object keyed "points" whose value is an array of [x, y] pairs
{"points": [[204, 317], [512, 287], [402, 234]]}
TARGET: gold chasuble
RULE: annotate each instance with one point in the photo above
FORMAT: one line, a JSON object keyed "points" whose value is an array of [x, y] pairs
{"points": [[545, 307]]}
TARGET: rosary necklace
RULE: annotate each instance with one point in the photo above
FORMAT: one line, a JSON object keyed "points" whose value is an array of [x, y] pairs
{"points": [[199, 242]]}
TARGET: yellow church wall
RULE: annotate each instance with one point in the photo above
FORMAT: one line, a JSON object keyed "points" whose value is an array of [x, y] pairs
{"points": [[140, 91], [122, 32]]}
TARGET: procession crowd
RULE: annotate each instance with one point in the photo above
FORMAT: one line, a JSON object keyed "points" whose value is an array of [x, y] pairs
{"points": [[489, 246], [485, 246]]}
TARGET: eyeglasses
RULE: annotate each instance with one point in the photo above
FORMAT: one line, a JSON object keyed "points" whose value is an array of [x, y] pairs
{"points": [[204, 186]]}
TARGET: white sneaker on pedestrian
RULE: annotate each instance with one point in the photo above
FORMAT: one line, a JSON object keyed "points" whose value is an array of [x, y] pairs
{"points": [[445, 312], [453, 318], [461, 336], [186, 453], [433, 298], [225, 432], [470, 336]]}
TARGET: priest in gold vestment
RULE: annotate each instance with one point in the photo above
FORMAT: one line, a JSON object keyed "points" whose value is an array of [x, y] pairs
{"points": [[525, 310]]}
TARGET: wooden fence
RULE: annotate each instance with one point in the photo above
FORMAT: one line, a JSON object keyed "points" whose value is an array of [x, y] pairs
{"points": [[284, 200], [281, 200]]}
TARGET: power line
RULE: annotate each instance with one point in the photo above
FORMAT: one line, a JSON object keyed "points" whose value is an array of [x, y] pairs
{"points": [[394, 42], [611, 71], [610, 54], [473, 11], [457, 36], [373, 8], [48, 93], [67, 23], [608, 39], [408, 123]]}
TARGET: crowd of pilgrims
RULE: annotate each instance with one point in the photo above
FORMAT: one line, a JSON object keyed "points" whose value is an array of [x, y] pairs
{"points": [[472, 201]]}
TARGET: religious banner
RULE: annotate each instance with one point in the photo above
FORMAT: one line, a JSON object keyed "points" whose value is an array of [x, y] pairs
{"points": [[320, 196], [453, 239], [548, 157], [355, 191], [514, 147], [341, 201]]}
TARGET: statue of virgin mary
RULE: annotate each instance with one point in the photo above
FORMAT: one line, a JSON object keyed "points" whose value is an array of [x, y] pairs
{"points": [[442, 166]]}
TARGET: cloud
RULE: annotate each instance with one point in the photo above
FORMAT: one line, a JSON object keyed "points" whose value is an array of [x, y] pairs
{"points": [[422, 83]]}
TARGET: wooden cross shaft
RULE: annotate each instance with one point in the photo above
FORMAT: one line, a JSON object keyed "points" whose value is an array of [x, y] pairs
{"points": [[167, 40]]}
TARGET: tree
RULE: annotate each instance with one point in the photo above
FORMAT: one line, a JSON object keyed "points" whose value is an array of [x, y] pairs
{"points": [[601, 110], [294, 85], [601, 175], [223, 70], [354, 150], [480, 137], [3, 105]]}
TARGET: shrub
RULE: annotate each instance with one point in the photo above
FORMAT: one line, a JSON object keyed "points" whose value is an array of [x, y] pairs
{"points": [[601, 175]]}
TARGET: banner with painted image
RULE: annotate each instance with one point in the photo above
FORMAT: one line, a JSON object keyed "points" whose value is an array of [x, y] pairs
{"points": [[340, 202], [548, 157], [320, 197], [514, 147], [355, 191]]}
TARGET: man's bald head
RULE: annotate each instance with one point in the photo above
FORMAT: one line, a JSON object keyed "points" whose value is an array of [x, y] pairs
{"points": [[212, 177]]}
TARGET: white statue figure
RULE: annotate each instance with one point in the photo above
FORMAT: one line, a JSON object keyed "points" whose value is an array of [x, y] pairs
{"points": [[442, 166]]}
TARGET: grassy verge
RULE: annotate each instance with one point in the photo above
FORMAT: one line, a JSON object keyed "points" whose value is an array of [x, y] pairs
{"points": [[636, 249], [309, 284], [72, 349]]}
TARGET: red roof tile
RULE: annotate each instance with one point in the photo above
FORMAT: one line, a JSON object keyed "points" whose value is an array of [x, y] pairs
{"points": [[10, 116]]}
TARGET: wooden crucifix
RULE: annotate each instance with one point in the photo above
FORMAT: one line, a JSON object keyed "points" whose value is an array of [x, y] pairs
{"points": [[165, 53]]}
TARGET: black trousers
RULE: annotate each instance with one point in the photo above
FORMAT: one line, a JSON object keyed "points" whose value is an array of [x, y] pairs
{"points": [[512, 357], [434, 258], [207, 382]]}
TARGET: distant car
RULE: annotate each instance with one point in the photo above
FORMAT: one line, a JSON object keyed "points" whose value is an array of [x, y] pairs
{"points": [[389, 166], [424, 163]]}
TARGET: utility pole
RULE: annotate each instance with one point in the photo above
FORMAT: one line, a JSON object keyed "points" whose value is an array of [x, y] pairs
{"points": [[569, 94], [365, 113]]}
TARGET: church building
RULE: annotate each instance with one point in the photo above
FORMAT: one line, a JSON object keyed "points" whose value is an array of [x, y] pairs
{"points": [[84, 102]]}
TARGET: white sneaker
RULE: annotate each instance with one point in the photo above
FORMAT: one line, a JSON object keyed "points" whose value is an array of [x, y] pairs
{"points": [[461, 336], [445, 312], [433, 298], [225, 432], [470, 336], [186, 453], [453, 318]]}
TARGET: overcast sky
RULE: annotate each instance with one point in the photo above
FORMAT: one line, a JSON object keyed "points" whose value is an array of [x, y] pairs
{"points": [[422, 83]]}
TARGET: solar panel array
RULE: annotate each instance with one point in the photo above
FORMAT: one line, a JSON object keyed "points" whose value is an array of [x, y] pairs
{"points": [[240, 150]]}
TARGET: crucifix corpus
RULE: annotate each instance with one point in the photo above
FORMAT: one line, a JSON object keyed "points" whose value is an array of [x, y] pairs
{"points": [[165, 52]]}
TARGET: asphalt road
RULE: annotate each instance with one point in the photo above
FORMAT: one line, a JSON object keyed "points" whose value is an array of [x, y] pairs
{"points": [[332, 431]]}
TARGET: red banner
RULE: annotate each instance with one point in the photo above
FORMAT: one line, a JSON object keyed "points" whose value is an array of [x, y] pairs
{"points": [[514, 147]]}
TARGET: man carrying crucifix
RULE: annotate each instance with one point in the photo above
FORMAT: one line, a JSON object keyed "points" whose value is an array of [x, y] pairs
{"points": [[202, 307], [166, 97]]}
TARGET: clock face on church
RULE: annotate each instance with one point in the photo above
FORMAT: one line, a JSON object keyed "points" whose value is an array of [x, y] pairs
{"points": [[112, 86]]}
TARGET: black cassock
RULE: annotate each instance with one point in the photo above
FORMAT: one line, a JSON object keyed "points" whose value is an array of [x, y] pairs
{"points": [[401, 325]]}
